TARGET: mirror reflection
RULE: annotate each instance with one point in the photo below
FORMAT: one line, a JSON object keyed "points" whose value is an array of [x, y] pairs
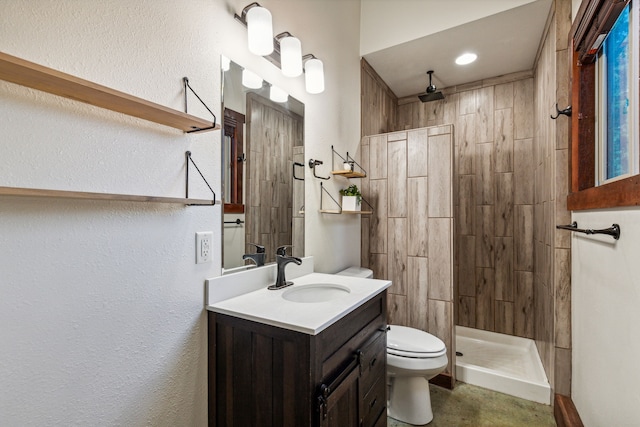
{"points": [[263, 157]]}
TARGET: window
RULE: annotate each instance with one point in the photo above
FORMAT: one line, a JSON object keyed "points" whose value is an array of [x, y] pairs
{"points": [[233, 161], [617, 145], [604, 138]]}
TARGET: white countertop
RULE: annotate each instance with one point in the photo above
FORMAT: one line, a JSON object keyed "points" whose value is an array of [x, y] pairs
{"points": [[268, 306]]}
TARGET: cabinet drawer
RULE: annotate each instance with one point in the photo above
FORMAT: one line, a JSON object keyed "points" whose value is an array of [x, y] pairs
{"points": [[373, 360], [374, 403], [341, 341]]}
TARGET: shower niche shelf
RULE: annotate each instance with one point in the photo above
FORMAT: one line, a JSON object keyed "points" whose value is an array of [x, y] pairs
{"points": [[35, 76]]}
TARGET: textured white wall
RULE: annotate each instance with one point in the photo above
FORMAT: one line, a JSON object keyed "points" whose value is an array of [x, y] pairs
{"points": [[332, 118], [605, 282], [101, 303]]}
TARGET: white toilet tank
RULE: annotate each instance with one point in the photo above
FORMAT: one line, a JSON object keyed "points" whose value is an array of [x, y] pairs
{"points": [[361, 272]]}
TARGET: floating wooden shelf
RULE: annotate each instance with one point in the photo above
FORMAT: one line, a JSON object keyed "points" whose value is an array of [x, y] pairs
{"points": [[357, 212], [34, 192], [339, 212], [349, 174], [25, 73]]}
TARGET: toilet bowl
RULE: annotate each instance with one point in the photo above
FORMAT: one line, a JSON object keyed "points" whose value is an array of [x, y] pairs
{"points": [[413, 358]]}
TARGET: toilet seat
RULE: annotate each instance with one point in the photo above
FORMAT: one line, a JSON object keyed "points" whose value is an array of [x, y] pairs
{"points": [[414, 343]]}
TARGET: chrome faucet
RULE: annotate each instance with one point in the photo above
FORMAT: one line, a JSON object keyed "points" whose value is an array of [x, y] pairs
{"points": [[258, 257], [282, 260]]}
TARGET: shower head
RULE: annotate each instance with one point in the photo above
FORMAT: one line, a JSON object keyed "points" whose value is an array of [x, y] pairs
{"points": [[431, 93], [428, 97]]}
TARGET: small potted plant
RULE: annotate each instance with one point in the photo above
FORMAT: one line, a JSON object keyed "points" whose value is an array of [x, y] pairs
{"points": [[351, 198]]}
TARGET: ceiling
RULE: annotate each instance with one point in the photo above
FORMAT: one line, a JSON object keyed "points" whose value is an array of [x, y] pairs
{"points": [[505, 42]]}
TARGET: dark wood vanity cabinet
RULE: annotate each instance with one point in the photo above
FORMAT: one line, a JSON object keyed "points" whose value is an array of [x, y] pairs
{"points": [[261, 375]]}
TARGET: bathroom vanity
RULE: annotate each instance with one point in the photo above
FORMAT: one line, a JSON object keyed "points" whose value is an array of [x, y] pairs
{"points": [[275, 362]]}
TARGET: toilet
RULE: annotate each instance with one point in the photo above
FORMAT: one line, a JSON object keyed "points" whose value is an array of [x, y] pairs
{"points": [[413, 358]]}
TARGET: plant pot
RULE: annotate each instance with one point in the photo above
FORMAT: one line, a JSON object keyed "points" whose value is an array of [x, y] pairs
{"points": [[350, 203], [348, 166]]}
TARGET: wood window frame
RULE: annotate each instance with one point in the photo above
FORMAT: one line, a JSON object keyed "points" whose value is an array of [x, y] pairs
{"points": [[594, 17], [233, 127]]}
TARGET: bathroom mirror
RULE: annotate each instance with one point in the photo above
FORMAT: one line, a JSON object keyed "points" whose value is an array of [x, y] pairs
{"points": [[262, 173]]}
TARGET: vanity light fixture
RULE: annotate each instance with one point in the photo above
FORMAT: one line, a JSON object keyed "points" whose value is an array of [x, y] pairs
{"points": [[251, 80], [278, 95], [466, 58], [314, 74], [259, 29], [290, 54]]}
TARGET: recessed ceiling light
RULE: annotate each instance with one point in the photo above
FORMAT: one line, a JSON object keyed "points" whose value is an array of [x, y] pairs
{"points": [[466, 58]]}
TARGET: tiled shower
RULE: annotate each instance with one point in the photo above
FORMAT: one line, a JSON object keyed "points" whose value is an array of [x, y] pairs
{"points": [[512, 268]]}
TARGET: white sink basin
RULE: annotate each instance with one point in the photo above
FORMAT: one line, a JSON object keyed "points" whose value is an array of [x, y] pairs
{"points": [[316, 292]]}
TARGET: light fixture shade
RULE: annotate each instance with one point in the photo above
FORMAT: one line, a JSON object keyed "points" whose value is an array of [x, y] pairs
{"points": [[260, 31], [278, 95], [251, 80], [314, 76], [291, 56]]}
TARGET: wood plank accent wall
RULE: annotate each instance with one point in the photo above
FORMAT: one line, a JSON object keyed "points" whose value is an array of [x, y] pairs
{"points": [[494, 197], [409, 237], [552, 250], [378, 103], [512, 267], [272, 134]]}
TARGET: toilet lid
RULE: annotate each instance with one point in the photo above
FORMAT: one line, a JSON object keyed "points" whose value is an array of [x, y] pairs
{"points": [[411, 342]]}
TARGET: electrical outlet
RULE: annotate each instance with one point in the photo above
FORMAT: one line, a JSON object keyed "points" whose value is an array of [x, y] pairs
{"points": [[203, 246]]}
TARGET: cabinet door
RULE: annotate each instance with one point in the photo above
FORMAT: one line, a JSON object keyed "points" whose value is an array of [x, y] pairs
{"points": [[338, 407]]}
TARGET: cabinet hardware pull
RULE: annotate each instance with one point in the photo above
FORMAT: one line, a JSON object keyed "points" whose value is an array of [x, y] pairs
{"points": [[373, 362], [372, 404]]}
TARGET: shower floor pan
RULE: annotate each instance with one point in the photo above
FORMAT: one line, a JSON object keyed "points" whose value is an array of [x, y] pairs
{"points": [[500, 362]]}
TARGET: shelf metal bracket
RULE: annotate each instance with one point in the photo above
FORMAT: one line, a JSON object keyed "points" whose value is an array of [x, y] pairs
{"points": [[185, 81], [188, 159], [324, 190], [348, 159]]}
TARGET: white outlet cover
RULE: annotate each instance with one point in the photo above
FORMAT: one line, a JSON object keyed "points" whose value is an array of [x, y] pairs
{"points": [[203, 246]]}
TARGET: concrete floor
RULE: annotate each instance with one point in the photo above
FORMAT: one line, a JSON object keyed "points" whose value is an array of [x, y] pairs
{"points": [[471, 406]]}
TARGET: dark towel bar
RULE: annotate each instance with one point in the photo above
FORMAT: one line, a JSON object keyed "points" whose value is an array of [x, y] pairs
{"points": [[237, 222], [613, 231]]}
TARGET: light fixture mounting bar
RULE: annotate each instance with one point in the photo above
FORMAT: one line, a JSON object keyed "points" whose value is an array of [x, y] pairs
{"points": [[243, 17], [274, 58]]}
